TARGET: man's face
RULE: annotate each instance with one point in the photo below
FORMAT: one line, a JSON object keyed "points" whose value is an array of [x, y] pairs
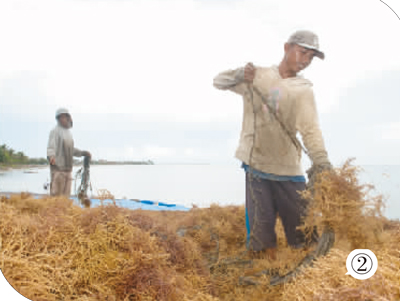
{"points": [[297, 57], [64, 120]]}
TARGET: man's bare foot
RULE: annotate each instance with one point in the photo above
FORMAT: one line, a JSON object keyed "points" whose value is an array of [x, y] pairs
{"points": [[271, 253], [267, 253]]}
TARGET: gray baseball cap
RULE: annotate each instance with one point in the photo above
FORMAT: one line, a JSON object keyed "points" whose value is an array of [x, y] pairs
{"points": [[307, 39]]}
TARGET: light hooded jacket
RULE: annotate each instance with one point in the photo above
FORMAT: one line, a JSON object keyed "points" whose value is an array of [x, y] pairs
{"points": [[61, 147], [264, 145]]}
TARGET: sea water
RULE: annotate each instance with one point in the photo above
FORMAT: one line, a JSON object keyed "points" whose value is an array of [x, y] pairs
{"points": [[200, 185]]}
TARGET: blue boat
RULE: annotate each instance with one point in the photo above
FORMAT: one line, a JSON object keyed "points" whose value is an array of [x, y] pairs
{"points": [[136, 204], [124, 203]]}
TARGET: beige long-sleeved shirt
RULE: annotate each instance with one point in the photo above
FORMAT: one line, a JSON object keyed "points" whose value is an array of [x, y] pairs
{"points": [[61, 147], [264, 145]]}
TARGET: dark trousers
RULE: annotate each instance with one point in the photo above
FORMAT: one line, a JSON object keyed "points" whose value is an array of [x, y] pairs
{"points": [[265, 199]]}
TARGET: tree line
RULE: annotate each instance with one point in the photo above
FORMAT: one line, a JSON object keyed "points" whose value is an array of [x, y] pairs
{"points": [[9, 156]]}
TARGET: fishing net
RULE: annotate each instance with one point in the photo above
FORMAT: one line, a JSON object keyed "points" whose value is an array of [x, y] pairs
{"points": [[51, 249]]}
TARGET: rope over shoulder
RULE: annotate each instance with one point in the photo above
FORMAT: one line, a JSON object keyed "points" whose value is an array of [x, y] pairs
{"points": [[294, 140]]}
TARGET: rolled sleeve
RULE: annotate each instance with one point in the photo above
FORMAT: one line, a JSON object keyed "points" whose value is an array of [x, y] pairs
{"points": [[232, 80]]}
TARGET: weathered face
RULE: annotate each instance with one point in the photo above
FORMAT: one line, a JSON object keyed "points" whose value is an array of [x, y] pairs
{"points": [[64, 120], [297, 57]]}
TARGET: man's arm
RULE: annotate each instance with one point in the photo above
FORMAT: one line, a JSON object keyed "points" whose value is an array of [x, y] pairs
{"points": [[51, 148], [308, 125], [79, 153], [235, 80]]}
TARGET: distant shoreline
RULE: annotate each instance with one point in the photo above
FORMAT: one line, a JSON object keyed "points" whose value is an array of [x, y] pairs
{"points": [[31, 166], [121, 163], [21, 166]]}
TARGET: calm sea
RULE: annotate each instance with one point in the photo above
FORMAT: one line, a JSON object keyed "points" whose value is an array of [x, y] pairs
{"points": [[186, 185]]}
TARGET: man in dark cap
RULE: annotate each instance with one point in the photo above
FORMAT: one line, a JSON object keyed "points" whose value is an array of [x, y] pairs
{"points": [[278, 103]]}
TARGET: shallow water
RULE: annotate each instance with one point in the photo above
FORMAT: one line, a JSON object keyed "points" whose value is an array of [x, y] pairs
{"points": [[201, 185]]}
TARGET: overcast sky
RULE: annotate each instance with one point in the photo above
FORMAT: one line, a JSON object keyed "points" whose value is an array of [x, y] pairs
{"points": [[137, 75]]}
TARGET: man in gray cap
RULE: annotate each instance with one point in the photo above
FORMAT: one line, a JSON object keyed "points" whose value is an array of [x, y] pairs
{"points": [[60, 153], [278, 103]]}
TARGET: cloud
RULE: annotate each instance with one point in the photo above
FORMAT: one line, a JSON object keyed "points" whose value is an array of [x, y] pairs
{"points": [[389, 131], [157, 151], [156, 59], [121, 66]]}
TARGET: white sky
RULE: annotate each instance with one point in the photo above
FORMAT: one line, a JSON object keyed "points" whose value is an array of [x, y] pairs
{"points": [[128, 67]]}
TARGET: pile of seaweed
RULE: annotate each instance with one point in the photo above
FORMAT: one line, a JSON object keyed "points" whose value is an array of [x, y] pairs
{"points": [[51, 249]]}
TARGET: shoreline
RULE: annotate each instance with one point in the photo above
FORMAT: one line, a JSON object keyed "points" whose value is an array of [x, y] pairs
{"points": [[30, 166], [22, 166]]}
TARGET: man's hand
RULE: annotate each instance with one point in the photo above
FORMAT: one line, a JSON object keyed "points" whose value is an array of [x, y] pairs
{"points": [[249, 72], [52, 161], [87, 154], [316, 169]]}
